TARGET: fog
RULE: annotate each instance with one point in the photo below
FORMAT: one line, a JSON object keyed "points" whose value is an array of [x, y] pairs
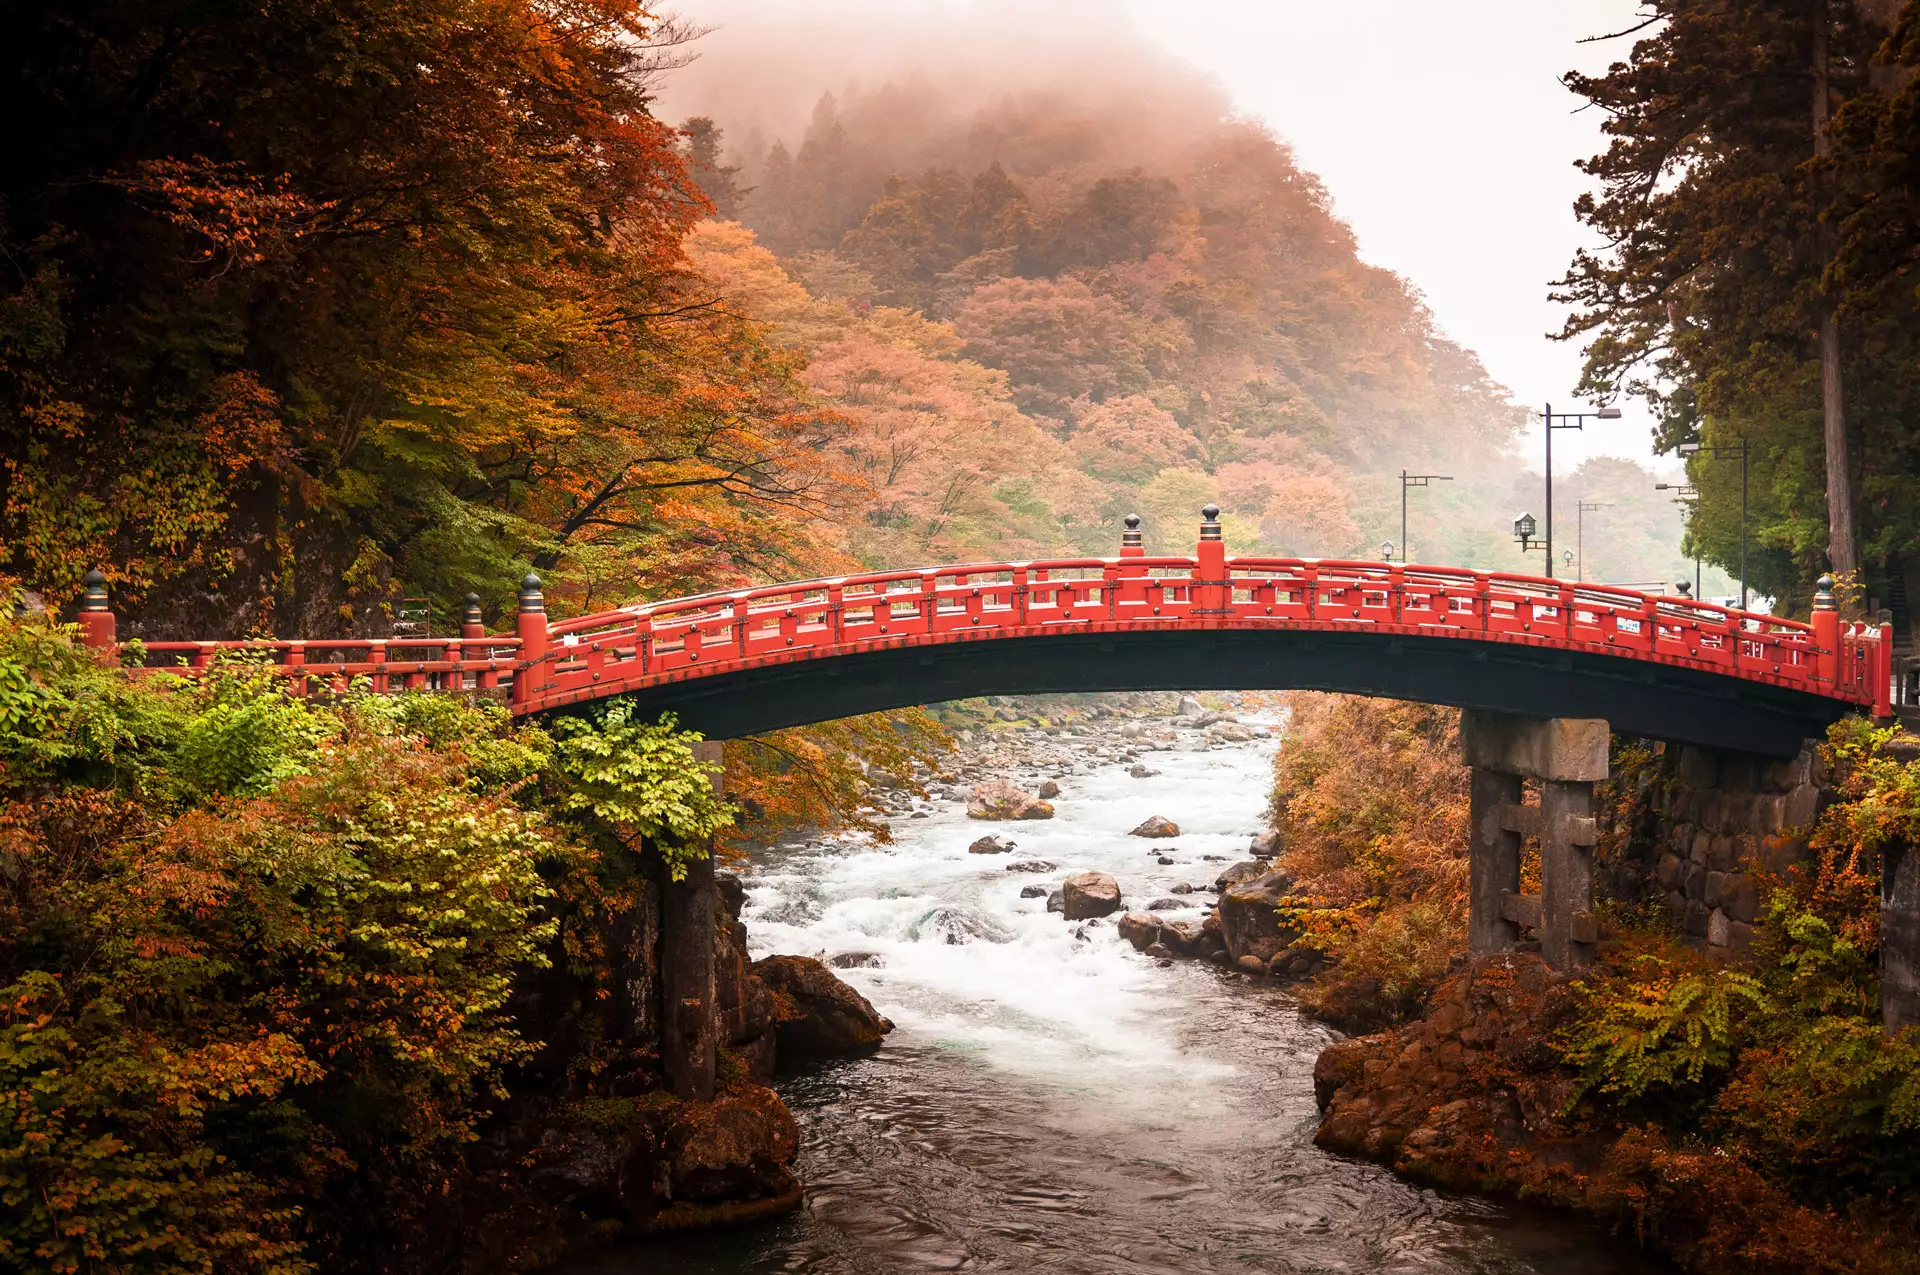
{"points": [[1441, 132]]}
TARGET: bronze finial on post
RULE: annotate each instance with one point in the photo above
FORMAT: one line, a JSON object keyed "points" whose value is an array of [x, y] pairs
{"points": [[1826, 631]]}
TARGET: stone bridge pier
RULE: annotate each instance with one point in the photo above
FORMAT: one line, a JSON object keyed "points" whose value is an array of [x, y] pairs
{"points": [[1567, 755]]}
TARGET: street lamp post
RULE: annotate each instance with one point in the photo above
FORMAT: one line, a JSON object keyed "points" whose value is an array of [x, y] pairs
{"points": [[1580, 533], [1682, 494], [1414, 480], [1574, 421], [1723, 451]]}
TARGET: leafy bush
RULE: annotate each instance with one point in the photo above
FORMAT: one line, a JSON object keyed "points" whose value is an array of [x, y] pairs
{"points": [[1370, 802], [256, 950]]}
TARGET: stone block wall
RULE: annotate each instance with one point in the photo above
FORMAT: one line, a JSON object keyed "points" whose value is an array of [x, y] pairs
{"points": [[1691, 828]]}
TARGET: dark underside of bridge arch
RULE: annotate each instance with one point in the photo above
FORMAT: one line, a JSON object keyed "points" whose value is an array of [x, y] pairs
{"points": [[1636, 697]]}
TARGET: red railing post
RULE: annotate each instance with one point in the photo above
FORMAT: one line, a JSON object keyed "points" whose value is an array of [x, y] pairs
{"points": [[296, 665], [530, 625], [473, 628], [1826, 634], [1210, 566], [97, 624]]}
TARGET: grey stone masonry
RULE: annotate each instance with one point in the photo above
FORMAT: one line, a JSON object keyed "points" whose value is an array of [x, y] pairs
{"points": [[1708, 822], [1567, 756]]}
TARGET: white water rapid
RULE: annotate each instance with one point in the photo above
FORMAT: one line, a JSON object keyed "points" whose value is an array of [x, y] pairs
{"points": [[1054, 1101]]}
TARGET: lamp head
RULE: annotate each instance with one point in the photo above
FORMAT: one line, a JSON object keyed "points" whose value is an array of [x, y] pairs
{"points": [[1608, 414], [1523, 527], [1386, 550], [1689, 448]]}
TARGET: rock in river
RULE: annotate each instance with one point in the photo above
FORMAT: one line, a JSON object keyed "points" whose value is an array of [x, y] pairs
{"points": [[992, 843], [1140, 930], [1030, 865], [1239, 872], [1049, 790], [819, 1016], [1157, 826], [1250, 920], [1090, 894], [1001, 800]]}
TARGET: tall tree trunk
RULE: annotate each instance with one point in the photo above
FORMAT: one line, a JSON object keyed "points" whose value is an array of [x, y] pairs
{"points": [[1842, 553]]}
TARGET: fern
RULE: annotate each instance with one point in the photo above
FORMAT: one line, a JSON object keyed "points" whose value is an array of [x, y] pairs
{"points": [[1660, 1031]]}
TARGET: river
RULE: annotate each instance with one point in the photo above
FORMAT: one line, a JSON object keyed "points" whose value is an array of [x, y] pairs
{"points": [[1052, 1100]]}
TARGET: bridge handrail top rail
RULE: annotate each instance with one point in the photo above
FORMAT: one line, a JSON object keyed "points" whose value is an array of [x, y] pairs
{"points": [[1542, 586], [1538, 587], [277, 644], [636, 611]]}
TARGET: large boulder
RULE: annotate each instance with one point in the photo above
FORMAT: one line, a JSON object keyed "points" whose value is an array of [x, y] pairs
{"points": [[817, 1015], [1001, 800], [1240, 872], [1265, 845], [1090, 894], [1250, 917], [992, 843], [736, 1147], [1156, 826]]}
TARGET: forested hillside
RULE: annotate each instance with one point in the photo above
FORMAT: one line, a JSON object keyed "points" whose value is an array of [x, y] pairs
{"points": [[1047, 306], [1141, 324]]}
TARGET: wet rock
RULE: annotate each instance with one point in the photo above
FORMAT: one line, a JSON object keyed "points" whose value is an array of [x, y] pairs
{"points": [[1156, 826], [1160, 952], [1229, 733], [1030, 865], [1252, 964], [732, 892], [1033, 891], [992, 843], [1143, 772], [1183, 888], [1265, 845], [1049, 790], [1249, 917], [1057, 901], [759, 1056], [819, 1016], [1001, 800], [1139, 930], [1090, 894], [1165, 905], [1165, 862], [855, 961], [1190, 707], [1239, 872], [736, 1147], [958, 926]]}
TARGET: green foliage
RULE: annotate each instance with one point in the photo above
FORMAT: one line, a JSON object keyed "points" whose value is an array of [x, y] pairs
{"points": [[256, 950], [642, 777], [1659, 1029], [247, 736]]}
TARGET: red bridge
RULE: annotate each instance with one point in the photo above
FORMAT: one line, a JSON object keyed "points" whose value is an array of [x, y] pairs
{"points": [[757, 659]]}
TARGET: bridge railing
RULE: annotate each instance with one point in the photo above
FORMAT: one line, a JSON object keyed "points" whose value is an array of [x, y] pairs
{"points": [[388, 664], [547, 665]]}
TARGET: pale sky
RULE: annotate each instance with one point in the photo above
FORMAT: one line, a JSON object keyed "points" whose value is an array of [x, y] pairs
{"points": [[1447, 142], [1441, 131]]}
